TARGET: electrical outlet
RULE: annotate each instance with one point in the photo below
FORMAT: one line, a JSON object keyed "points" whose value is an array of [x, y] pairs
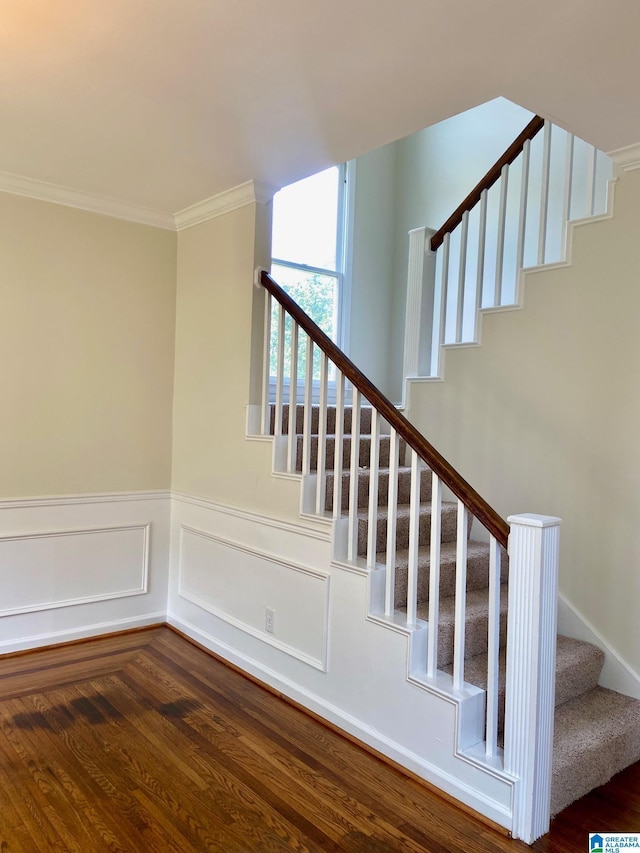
{"points": [[269, 620]]}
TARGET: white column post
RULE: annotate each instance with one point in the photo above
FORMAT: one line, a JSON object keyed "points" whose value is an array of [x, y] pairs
{"points": [[531, 669], [421, 277]]}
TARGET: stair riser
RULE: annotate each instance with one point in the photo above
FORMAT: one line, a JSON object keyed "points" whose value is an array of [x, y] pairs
{"points": [[475, 637], [477, 577], [404, 488], [364, 457], [365, 419], [449, 525]]}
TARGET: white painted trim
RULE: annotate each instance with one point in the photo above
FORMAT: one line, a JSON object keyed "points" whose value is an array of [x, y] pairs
{"points": [[67, 500], [625, 159], [322, 531], [86, 631], [56, 194], [89, 599], [616, 673], [251, 192], [318, 663], [348, 723]]}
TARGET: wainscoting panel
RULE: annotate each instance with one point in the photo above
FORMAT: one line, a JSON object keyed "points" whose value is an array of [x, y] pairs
{"points": [[73, 566], [39, 571], [239, 585]]}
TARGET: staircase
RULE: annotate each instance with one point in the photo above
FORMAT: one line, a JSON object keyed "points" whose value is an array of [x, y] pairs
{"points": [[529, 717], [596, 731]]}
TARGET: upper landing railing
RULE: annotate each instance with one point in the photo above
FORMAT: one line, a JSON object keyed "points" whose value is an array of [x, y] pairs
{"points": [[515, 217]]}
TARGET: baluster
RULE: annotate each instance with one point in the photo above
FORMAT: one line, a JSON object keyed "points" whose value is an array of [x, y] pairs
{"points": [[522, 220], [462, 274], [482, 240], [292, 444], [354, 467], [544, 192], [434, 575], [591, 180], [308, 410], [444, 289], [337, 455], [392, 509], [266, 367], [461, 598], [568, 190], [493, 646], [277, 430], [321, 482], [502, 219], [414, 537], [374, 468]]}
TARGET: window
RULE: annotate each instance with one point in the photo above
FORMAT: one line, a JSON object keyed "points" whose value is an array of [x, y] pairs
{"points": [[308, 249]]}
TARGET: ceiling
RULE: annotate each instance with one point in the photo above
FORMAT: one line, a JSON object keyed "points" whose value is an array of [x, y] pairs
{"points": [[164, 103]]}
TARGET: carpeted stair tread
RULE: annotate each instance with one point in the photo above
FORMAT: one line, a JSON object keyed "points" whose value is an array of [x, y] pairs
{"points": [[364, 456], [404, 486], [449, 524], [596, 735], [476, 624], [477, 569], [578, 666]]}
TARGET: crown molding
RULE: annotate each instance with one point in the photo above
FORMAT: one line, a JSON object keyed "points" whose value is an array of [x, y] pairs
{"points": [[44, 191], [251, 192], [626, 159]]}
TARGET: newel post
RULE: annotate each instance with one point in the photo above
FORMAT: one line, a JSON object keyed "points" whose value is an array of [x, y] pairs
{"points": [[531, 667], [420, 298]]}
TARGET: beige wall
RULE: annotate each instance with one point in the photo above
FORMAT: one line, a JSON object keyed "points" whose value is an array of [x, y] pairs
{"points": [[545, 415], [215, 304], [86, 351]]}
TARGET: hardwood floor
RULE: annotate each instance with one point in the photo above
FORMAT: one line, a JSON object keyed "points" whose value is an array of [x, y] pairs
{"points": [[143, 742]]}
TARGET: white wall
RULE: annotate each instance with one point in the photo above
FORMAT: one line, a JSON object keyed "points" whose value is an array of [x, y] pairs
{"points": [[545, 416]]}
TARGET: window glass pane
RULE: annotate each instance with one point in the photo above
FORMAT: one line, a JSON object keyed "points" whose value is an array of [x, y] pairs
{"points": [[317, 295], [305, 218]]}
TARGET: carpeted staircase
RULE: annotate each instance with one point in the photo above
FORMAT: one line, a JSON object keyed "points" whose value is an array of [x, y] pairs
{"points": [[597, 731]]}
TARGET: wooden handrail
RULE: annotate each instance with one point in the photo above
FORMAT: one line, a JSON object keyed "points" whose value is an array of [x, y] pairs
{"points": [[474, 502], [535, 125]]}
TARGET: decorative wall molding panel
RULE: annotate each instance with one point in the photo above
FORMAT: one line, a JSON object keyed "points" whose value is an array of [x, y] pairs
{"points": [[40, 571], [240, 584], [79, 565]]}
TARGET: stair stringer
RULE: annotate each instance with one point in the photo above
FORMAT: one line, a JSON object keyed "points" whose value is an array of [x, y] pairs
{"points": [[456, 719]]}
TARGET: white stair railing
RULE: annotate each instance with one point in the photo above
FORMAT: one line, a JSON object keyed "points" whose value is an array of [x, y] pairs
{"points": [[375, 549], [516, 218]]}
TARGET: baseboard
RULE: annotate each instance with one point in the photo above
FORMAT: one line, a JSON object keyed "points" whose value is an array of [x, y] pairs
{"points": [[485, 807], [616, 673], [54, 638]]}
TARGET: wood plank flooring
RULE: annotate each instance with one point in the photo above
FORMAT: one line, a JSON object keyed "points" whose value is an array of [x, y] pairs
{"points": [[144, 742]]}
